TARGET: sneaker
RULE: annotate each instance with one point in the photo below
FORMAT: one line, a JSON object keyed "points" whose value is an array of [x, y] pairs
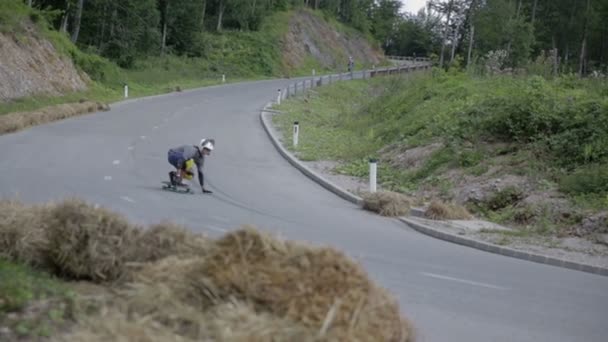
{"points": [[172, 178]]}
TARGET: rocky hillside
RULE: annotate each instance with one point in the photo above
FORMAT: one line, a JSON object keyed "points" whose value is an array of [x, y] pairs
{"points": [[30, 65], [310, 37]]}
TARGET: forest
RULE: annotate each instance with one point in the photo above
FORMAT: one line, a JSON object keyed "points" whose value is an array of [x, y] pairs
{"points": [[569, 35]]}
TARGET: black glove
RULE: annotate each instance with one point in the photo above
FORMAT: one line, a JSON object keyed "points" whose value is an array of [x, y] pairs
{"points": [[205, 191]]}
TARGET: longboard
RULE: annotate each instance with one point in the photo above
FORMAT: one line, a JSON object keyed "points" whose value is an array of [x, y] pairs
{"points": [[181, 189]]}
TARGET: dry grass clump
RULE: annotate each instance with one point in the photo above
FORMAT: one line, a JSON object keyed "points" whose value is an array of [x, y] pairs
{"points": [[22, 233], [387, 203], [90, 243], [230, 321], [114, 325], [245, 286], [19, 120], [166, 238], [443, 211], [318, 287]]}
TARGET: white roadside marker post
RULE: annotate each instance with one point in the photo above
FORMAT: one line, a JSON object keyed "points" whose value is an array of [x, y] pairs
{"points": [[296, 132], [279, 97], [223, 78], [372, 175], [126, 90]]}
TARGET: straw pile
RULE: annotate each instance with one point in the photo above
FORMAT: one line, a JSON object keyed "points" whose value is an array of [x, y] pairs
{"points": [[444, 211], [19, 120], [90, 243], [245, 286], [319, 287], [22, 233], [387, 203]]}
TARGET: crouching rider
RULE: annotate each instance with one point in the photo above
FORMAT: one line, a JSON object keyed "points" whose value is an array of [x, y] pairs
{"points": [[185, 157]]}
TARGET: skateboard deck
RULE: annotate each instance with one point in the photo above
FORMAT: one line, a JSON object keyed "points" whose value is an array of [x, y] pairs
{"points": [[181, 189]]}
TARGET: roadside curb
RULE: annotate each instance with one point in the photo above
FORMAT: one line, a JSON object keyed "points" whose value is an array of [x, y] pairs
{"points": [[416, 212], [264, 118], [492, 248]]}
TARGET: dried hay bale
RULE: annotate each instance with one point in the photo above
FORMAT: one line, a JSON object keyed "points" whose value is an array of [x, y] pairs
{"points": [[165, 285], [19, 120], [387, 203], [165, 239], [22, 233], [303, 284], [88, 242], [438, 210], [113, 325], [239, 322]]}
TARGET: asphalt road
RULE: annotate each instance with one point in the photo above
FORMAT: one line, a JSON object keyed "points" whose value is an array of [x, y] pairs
{"points": [[452, 293]]}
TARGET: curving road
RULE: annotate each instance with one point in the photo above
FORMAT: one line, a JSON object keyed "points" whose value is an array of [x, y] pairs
{"points": [[452, 293]]}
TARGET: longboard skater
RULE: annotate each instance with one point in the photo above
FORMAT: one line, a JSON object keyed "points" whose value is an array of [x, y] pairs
{"points": [[184, 158]]}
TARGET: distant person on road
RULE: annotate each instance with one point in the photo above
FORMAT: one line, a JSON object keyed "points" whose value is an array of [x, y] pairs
{"points": [[185, 157], [351, 64]]}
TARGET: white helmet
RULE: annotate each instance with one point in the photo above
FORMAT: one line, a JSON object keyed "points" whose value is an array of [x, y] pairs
{"points": [[208, 144]]}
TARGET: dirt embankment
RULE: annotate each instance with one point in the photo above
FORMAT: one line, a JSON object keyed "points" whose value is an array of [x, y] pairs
{"points": [[30, 65], [311, 37]]}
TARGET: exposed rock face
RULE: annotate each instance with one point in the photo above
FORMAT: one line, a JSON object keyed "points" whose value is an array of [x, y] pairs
{"points": [[30, 65], [310, 37]]}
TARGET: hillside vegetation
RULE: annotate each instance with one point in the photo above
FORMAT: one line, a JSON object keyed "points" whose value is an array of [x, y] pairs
{"points": [[43, 67], [526, 151]]}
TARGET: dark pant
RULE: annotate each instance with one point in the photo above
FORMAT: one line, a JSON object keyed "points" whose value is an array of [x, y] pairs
{"points": [[175, 159]]}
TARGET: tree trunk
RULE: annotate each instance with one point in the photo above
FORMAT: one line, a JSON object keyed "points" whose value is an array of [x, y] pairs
{"points": [[518, 9], [454, 43], [534, 11], [581, 68], [64, 20], [316, 4], [445, 35], [554, 55], [471, 45], [29, 3], [103, 26], [221, 15], [603, 48], [164, 16], [77, 21], [203, 15], [566, 58]]}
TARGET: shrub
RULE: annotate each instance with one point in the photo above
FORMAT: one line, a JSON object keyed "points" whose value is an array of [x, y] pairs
{"points": [[591, 179]]}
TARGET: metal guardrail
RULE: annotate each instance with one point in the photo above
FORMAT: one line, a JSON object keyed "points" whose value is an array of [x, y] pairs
{"points": [[317, 81], [408, 58]]}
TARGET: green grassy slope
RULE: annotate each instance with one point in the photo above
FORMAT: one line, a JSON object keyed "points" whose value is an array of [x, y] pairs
{"points": [[553, 132]]}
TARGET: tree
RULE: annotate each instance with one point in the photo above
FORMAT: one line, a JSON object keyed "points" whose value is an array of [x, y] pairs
{"points": [[77, 21]]}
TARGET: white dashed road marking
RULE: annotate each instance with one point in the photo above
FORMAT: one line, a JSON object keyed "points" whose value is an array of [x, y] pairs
{"points": [[128, 199], [107, 178], [143, 137], [116, 162], [464, 281], [217, 229], [131, 148]]}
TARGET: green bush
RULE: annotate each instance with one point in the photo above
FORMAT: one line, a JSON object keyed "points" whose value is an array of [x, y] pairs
{"points": [[504, 198], [592, 179]]}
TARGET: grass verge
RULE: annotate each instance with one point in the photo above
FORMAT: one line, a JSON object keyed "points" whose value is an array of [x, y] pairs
{"points": [[503, 147]]}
